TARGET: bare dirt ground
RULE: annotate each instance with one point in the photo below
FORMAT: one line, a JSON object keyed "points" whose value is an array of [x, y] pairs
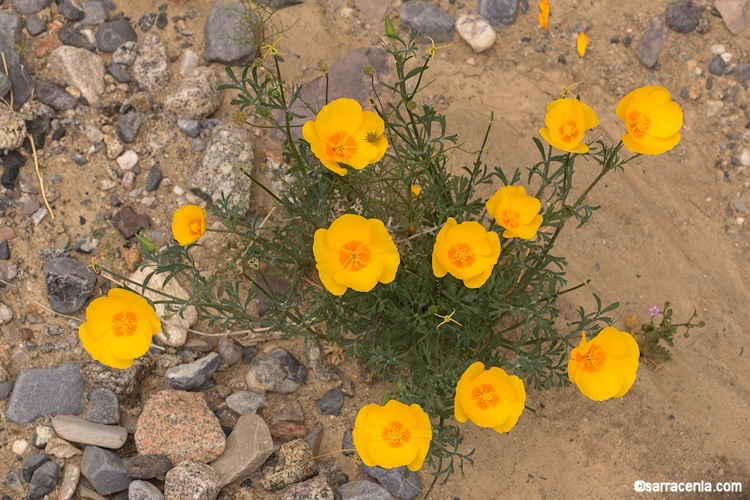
{"points": [[668, 229]]}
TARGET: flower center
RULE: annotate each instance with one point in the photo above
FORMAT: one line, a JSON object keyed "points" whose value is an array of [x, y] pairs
{"points": [[569, 131], [638, 124], [195, 226], [395, 435], [372, 137], [510, 219], [124, 324], [592, 360], [341, 147], [354, 256], [461, 255], [485, 396]]}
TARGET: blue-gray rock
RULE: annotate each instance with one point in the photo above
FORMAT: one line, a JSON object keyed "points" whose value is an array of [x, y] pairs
{"points": [[104, 407], [94, 13], [31, 463], [500, 13], [189, 376], [162, 20], [347, 444], [4, 251], [244, 402], [230, 352], [131, 123], [652, 42], [5, 389], [112, 34], [120, 72], [4, 85], [79, 158], [331, 402], [683, 16], [276, 371], [717, 66], [20, 77], [363, 490], [146, 21], [400, 482], [29, 6], [742, 72], [154, 178], [43, 481], [192, 480], [68, 284], [147, 466], [279, 4], [42, 391], [68, 35], [191, 128], [69, 11], [34, 25], [428, 19], [222, 45], [129, 222], [54, 96], [12, 481], [105, 470], [143, 490]]}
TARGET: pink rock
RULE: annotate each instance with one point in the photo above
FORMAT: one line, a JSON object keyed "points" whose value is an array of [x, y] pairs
{"points": [[180, 425], [734, 14], [7, 233]]}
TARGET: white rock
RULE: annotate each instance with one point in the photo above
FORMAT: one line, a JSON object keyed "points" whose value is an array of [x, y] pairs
{"points": [[173, 325], [20, 446], [718, 49], [71, 475], [78, 430], [476, 31], [713, 108], [745, 157], [189, 62], [6, 314], [127, 160], [726, 56], [178, 190], [107, 184]]}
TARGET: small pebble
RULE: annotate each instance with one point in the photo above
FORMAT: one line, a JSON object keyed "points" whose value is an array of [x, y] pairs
{"points": [[20, 446], [127, 160]]}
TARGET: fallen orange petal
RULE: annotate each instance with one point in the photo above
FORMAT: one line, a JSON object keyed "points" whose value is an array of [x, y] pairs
{"points": [[544, 14], [582, 43]]}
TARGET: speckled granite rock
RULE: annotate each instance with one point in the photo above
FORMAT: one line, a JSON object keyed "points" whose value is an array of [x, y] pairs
{"points": [[122, 382], [289, 465], [316, 488], [180, 425], [191, 480]]}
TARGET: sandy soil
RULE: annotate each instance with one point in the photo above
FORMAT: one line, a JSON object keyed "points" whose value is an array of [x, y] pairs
{"points": [[666, 231]]}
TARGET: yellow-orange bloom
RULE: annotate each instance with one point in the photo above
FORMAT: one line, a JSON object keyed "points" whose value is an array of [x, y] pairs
{"points": [[392, 435], [652, 118], [118, 328], [343, 133], [416, 190], [516, 212], [188, 224], [467, 251], [356, 253], [566, 122], [582, 42], [489, 398], [606, 366], [544, 14]]}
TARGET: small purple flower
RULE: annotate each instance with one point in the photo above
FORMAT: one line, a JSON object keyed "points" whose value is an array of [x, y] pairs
{"points": [[654, 310]]}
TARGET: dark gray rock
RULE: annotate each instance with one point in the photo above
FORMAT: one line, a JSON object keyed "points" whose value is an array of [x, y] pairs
{"points": [[120, 72], [94, 13], [279, 4], [363, 490], [68, 284], [31, 463], [5, 389], [222, 45], [154, 178], [35, 26], [105, 470], [43, 481], [162, 20], [331, 402], [244, 402], [347, 444], [143, 490], [12, 481], [104, 407], [428, 19], [742, 72], [276, 371], [190, 376], [191, 128], [20, 77], [29, 6], [683, 16], [146, 21], [230, 352], [41, 391], [4, 85], [69, 11], [54, 96], [127, 129], [400, 481], [79, 158], [500, 13], [4, 250], [68, 35], [112, 34], [147, 466], [192, 480], [129, 222], [314, 438], [717, 66], [652, 42]]}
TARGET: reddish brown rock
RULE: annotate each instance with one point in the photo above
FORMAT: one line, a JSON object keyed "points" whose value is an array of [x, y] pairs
{"points": [[287, 431]]}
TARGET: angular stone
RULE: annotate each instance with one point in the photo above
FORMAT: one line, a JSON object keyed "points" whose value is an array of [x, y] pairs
{"points": [[500, 13], [683, 16], [143, 490], [31, 463], [93, 13], [6, 313], [41, 391], [399, 482], [29, 6], [316, 488], [119, 71], [111, 35], [191, 128], [733, 13], [43, 481], [197, 96], [129, 222], [244, 402], [189, 376], [331, 402], [79, 430], [54, 96], [192, 480], [652, 42], [283, 432], [373, 11], [104, 407], [363, 490], [428, 19], [222, 24], [717, 66], [290, 464], [147, 466], [248, 447], [130, 125], [180, 425], [105, 470], [69, 11], [150, 67], [314, 438], [124, 383], [230, 352], [80, 68], [71, 475], [68, 35], [276, 371]]}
